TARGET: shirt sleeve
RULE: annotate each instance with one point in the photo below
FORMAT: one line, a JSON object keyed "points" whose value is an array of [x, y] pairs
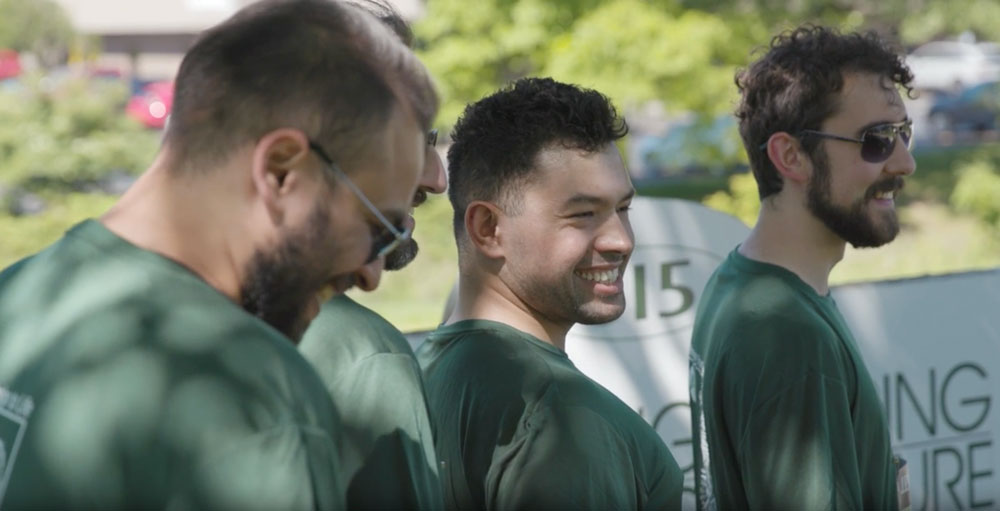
{"points": [[569, 457]]}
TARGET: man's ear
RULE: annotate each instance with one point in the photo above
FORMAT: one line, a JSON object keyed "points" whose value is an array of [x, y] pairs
{"points": [[279, 159], [482, 225], [789, 158]]}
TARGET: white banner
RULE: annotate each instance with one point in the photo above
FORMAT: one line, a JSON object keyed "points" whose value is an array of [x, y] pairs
{"points": [[931, 345]]}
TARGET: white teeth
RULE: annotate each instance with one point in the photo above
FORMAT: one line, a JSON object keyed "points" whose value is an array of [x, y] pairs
{"points": [[885, 195], [603, 277]]}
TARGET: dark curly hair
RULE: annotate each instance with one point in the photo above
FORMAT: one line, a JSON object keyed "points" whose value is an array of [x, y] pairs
{"points": [[794, 87], [496, 140]]}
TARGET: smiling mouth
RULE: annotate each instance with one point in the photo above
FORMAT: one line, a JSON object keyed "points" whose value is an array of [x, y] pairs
{"points": [[887, 190], [601, 277]]}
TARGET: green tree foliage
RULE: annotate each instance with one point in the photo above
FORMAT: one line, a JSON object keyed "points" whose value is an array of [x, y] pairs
{"points": [[941, 19], [24, 235], [632, 50], [63, 132], [740, 200], [681, 52], [685, 60], [978, 191], [37, 26]]}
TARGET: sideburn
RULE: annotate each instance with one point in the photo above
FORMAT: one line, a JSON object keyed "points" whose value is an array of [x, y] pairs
{"points": [[279, 283]]}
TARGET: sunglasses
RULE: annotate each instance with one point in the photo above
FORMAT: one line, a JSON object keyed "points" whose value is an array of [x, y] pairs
{"points": [[877, 142], [432, 138], [386, 238]]}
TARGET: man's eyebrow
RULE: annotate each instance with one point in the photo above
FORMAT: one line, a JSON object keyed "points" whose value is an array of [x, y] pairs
{"points": [[582, 198], [861, 131]]}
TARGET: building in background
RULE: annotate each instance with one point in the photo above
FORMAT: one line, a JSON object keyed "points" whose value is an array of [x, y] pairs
{"points": [[146, 39]]}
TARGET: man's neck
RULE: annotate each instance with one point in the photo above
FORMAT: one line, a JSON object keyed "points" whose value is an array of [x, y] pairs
{"points": [[490, 299], [796, 241], [175, 218]]}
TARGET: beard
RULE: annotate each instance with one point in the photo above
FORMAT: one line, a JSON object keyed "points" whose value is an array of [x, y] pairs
{"points": [[565, 302], [404, 254], [279, 283], [854, 223]]}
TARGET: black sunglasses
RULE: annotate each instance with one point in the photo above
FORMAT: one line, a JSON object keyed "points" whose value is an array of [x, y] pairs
{"points": [[877, 142], [385, 238], [432, 137]]}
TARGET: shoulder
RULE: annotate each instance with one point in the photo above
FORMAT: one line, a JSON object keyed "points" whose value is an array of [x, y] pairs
{"points": [[762, 313], [347, 332], [342, 316], [500, 348], [493, 364]]}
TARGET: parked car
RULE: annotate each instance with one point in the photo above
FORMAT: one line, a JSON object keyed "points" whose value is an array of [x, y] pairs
{"points": [[151, 105], [975, 108], [689, 147], [952, 65], [10, 64]]}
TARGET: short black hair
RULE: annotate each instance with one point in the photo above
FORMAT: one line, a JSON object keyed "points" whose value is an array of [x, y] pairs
{"points": [[496, 141], [326, 67], [794, 87]]}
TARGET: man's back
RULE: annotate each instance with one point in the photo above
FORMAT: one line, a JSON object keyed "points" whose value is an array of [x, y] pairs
{"points": [[150, 389], [784, 412], [373, 378], [518, 426]]}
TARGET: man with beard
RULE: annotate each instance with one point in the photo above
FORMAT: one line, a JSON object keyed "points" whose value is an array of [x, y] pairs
{"points": [[147, 358], [541, 199], [784, 413]]}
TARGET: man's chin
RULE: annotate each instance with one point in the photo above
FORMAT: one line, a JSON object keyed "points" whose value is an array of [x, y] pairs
{"points": [[402, 256], [598, 314]]}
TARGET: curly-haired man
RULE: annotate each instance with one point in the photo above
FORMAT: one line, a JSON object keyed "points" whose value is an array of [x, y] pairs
{"points": [[541, 201], [784, 413]]}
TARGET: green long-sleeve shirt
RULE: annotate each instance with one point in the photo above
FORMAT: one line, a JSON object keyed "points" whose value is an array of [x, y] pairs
{"points": [[371, 373], [127, 382], [518, 426], [784, 413]]}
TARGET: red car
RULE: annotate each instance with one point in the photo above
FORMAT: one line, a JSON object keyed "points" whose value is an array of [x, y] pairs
{"points": [[10, 64], [152, 105]]}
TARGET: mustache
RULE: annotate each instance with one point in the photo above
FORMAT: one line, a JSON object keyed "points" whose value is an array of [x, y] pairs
{"points": [[611, 258], [419, 197], [892, 184]]}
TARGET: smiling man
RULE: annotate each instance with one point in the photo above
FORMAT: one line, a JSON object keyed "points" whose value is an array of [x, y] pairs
{"points": [[541, 200], [147, 358], [784, 413]]}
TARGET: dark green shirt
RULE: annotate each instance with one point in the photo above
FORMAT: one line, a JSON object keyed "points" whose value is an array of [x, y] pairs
{"points": [[784, 413], [127, 382], [373, 377], [518, 426]]}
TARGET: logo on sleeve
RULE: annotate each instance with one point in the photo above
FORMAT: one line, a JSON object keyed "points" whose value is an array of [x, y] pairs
{"points": [[14, 411]]}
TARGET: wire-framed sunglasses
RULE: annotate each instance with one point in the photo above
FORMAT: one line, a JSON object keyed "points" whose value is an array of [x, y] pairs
{"points": [[384, 240], [877, 142]]}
